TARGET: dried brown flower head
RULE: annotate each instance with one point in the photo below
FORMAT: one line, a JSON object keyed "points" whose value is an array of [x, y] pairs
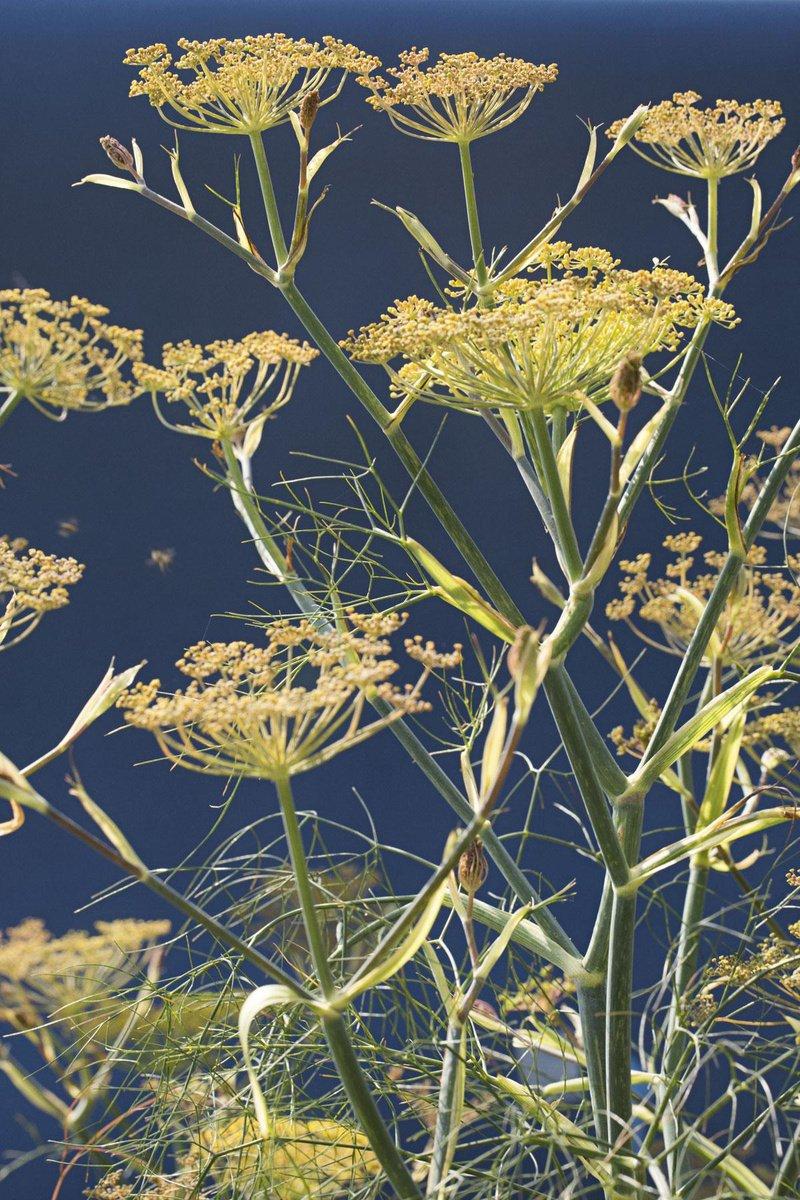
{"points": [[460, 97], [276, 710], [551, 340], [705, 143], [32, 583], [227, 386], [61, 354], [241, 85]]}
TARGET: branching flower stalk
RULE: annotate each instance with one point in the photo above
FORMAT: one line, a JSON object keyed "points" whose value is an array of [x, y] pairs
{"points": [[543, 345]]}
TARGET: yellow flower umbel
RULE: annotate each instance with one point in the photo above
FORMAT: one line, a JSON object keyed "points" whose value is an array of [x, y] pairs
{"points": [[273, 711], [60, 354], [227, 386], [70, 976], [460, 98], [758, 623], [705, 143], [556, 339], [294, 1161], [32, 583], [241, 85]]}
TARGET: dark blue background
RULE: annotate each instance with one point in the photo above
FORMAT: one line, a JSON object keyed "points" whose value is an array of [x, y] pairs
{"points": [[133, 486]]}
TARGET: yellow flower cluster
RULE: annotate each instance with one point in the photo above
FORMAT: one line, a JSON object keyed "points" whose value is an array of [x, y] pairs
{"points": [[781, 725], [61, 354], [241, 85], [32, 583], [113, 1187], [296, 1160], [460, 98], [636, 742], [225, 383], [705, 143], [758, 623], [550, 340], [272, 711], [41, 975]]}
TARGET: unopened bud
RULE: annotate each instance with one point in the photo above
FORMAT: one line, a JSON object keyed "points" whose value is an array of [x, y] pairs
{"points": [[796, 160], [673, 204], [625, 387], [773, 759], [473, 868], [120, 155], [308, 110], [528, 663]]}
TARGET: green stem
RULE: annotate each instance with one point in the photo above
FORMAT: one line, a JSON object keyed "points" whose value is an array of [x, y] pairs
{"points": [[143, 874], [619, 990], [537, 424], [786, 1179], [676, 1041], [8, 406], [361, 390], [592, 794], [305, 892], [716, 602], [335, 1027], [450, 1084], [476, 242], [250, 513], [270, 201], [711, 231]]}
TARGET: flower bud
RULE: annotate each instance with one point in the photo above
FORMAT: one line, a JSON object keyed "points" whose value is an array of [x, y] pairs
{"points": [[773, 759], [473, 868], [676, 205], [626, 382], [119, 155], [528, 663], [308, 111]]}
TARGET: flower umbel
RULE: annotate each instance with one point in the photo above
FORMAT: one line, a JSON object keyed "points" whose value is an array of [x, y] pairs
{"points": [[759, 621], [705, 143], [460, 97], [41, 975], [241, 85], [551, 340], [227, 386], [32, 583], [61, 354], [273, 711], [296, 1159]]}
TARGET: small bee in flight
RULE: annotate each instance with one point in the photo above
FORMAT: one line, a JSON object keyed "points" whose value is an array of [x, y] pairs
{"points": [[67, 527], [161, 558]]}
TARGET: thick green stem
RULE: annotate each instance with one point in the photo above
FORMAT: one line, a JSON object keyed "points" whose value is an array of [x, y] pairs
{"points": [[366, 1110], [592, 794], [270, 201], [335, 1027], [305, 892], [476, 241], [551, 480], [711, 232], [618, 996], [676, 1041], [451, 1084]]}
